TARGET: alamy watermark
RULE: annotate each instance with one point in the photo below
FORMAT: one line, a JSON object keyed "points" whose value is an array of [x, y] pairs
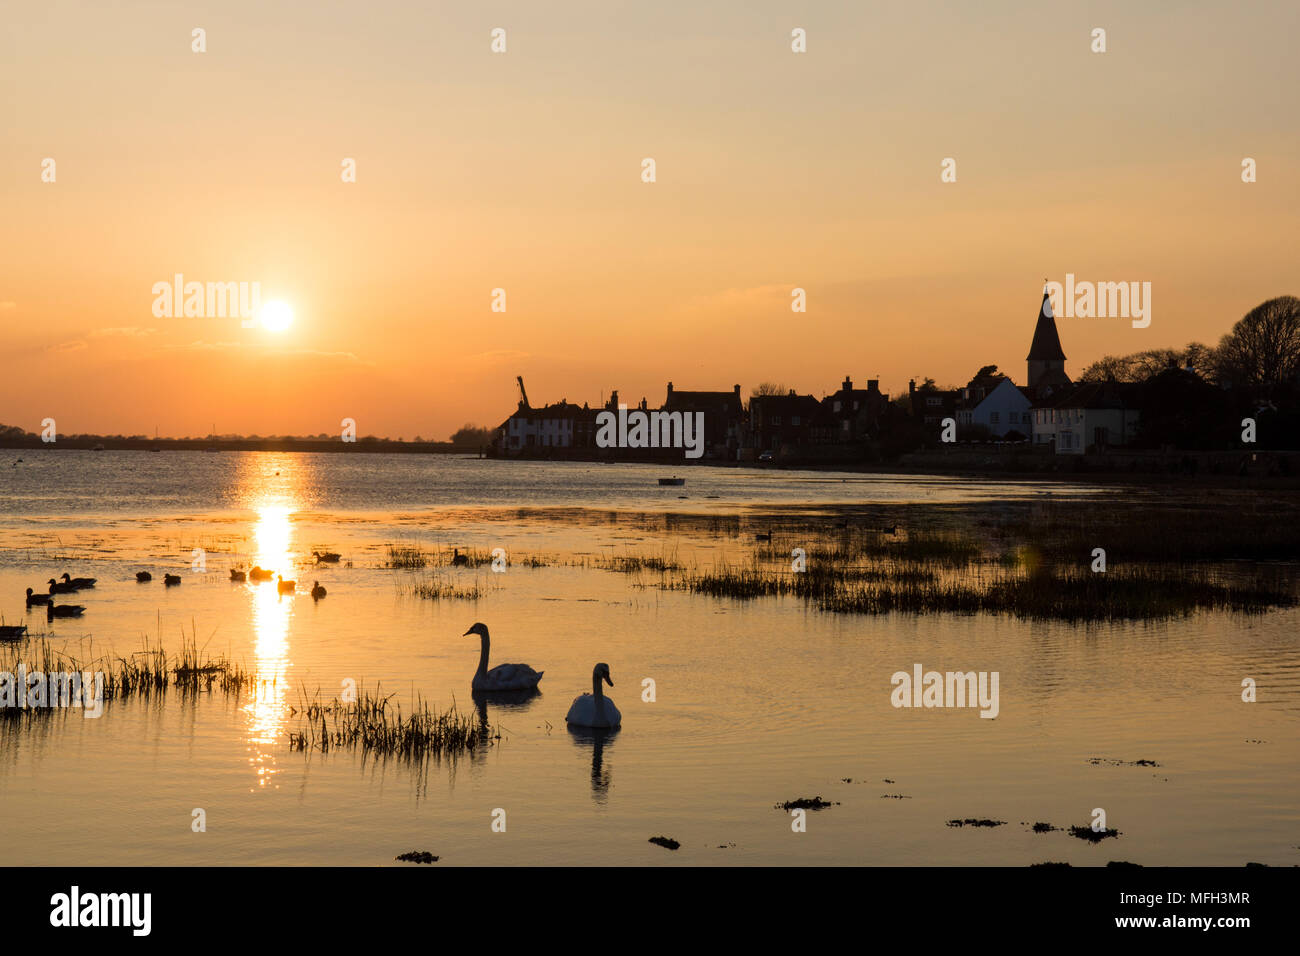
{"points": [[37, 690], [207, 300], [1101, 300], [951, 689], [646, 429]]}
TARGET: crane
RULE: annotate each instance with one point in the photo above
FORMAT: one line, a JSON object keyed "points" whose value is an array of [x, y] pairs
{"points": [[524, 394]]}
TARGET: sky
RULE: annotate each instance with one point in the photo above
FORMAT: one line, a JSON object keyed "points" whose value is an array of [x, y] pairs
{"points": [[522, 171]]}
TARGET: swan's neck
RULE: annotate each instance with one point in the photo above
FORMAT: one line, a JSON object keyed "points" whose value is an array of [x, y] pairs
{"points": [[595, 689], [483, 657]]}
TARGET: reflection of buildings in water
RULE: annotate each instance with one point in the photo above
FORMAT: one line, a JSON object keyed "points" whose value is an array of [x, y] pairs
{"points": [[598, 737]]}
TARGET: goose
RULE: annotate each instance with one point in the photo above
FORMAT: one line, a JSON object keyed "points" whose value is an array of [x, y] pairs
{"points": [[63, 610], [143, 576], [317, 592], [326, 557], [171, 579], [79, 583], [257, 574], [36, 599], [595, 709], [766, 536], [459, 559], [58, 587], [238, 576], [285, 587], [503, 676]]}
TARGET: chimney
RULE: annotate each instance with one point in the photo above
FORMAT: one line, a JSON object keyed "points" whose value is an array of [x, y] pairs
{"points": [[670, 389], [738, 391], [848, 384], [911, 386], [613, 400], [873, 385]]}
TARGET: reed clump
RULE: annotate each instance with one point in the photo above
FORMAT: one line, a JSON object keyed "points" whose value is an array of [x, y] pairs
{"points": [[406, 557], [375, 725]]}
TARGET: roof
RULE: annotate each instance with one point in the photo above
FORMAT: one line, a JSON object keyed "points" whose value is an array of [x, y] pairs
{"points": [[1047, 343], [1108, 394]]}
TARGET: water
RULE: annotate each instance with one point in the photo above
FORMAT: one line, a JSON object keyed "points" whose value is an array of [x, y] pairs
{"points": [[756, 702]]}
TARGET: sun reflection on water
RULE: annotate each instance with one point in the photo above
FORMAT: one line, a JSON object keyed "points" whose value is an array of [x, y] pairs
{"points": [[269, 487]]}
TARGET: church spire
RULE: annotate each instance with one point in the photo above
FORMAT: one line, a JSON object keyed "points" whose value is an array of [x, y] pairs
{"points": [[1046, 358]]}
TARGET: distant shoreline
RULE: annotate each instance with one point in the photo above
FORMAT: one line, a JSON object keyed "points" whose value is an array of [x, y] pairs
{"points": [[333, 445]]}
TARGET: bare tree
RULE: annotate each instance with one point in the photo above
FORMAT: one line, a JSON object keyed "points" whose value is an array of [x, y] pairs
{"points": [[1263, 349], [768, 388]]}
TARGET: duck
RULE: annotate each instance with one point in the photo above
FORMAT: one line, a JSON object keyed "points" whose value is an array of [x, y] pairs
{"points": [[143, 576], [285, 587], [765, 536], [458, 559], [58, 587], [503, 676], [595, 709], [326, 557], [37, 599], [258, 574], [317, 592], [238, 576], [63, 610], [171, 579], [78, 583]]}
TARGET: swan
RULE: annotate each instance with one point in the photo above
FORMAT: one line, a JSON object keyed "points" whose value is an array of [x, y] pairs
{"points": [[78, 583], [143, 576], [317, 592], [58, 587], [503, 676], [285, 587], [171, 579], [238, 576], [36, 599], [63, 610], [595, 709], [459, 559]]}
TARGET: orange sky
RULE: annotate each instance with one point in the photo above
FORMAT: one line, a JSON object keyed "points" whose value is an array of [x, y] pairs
{"points": [[522, 171]]}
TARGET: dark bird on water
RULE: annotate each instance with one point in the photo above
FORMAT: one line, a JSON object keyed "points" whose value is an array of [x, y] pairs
{"points": [[317, 592], [171, 579], [36, 599], [58, 587], [143, 576], [767, 536], [78, 583], [458, 559], [238, 576], [327, 557], [257, 574], [286, 587], [63, 610]]}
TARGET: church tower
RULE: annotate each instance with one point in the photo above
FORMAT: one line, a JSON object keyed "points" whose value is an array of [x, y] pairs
{"points": [[1046, 358]]}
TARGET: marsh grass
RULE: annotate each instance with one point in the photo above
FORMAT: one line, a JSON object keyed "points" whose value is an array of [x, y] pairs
{"points": [[406, 557], [435, 587], [375, 725]]}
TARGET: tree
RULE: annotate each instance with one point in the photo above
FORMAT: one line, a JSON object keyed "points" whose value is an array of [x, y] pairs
{"points": [[763, 389], [1263, 349], [472, 435], [1142, 366]]}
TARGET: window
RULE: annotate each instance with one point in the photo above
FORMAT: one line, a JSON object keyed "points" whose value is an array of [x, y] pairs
{"points": [[933, 401], [993, 418], [794, 420], [776, 419], [837, 406]]}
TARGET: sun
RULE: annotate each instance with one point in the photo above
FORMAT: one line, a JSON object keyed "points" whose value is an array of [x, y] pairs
{"points": [[276, 316]]}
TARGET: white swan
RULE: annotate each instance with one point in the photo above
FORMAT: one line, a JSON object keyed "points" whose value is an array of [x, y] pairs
{"points": [[595, 709], [503, 676]]}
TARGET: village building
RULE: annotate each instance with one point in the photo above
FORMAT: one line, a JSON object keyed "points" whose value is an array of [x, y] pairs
{"points": [[856, 414], [790, 421], [724, 417]]}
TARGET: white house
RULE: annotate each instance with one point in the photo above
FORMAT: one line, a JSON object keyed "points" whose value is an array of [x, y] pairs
{"points": [[1095, 415], [1004, 408]]}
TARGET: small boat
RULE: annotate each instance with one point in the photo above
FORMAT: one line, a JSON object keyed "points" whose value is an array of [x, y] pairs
{"points": [[98, 448], [671, 481], [12, 632]]}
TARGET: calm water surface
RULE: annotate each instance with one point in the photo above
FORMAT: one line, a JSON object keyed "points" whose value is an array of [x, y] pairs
{"points": [[757, 702]]}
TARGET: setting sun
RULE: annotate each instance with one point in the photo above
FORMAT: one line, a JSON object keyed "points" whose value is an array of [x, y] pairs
{"points": [[276, 316]]}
